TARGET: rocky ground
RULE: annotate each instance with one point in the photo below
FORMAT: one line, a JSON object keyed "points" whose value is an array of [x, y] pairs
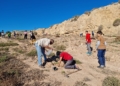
{"points": [[18, 63]]}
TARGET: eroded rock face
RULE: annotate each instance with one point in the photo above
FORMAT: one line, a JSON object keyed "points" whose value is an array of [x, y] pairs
{"points": [[102, 16]]}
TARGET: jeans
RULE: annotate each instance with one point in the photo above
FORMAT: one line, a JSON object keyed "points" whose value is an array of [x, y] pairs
{"points": [[88, 48], [68, 65], [40, 52], [101, 56]]}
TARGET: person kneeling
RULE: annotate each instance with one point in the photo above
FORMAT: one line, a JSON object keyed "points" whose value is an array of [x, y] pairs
{"points": [[64, 56]]}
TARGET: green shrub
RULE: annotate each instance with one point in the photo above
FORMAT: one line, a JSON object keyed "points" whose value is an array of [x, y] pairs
{"points": [[116, 22], [3, 59], [60, 47], [8, 44], [111, 81], [32, 53]]}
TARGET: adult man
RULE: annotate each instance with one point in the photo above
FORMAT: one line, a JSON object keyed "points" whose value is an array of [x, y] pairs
{"points": [[64, 56], [88, 43], [40, 45]]}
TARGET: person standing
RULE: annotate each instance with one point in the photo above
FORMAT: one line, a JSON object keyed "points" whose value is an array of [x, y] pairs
{"points": [[101, 49], [88, 43], [9, 35], [25, 34], [92, 34], [40, 46], [14, 34]]}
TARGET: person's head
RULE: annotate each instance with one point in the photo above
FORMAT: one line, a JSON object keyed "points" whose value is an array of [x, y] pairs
{"points": [[51, 41], [58, 54], [99, 33], [86, 32]]}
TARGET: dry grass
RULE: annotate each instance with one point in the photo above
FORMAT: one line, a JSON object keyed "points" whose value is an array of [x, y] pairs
{"points": [[111, 81], [32, 53], [80, 83], [21, 51], [60, 47], [4, 49], [8, 44]]}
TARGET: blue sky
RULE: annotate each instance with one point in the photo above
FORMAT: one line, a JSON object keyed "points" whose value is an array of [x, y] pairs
{"points": [[32, 14]]}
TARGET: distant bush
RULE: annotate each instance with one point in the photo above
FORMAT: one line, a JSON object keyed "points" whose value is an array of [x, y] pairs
{"points": [[57, 35], [116, 22], [117, 39], [35, 33], [111, 81], [87, 13], [100, 28], [74, 18], [8, 44]]}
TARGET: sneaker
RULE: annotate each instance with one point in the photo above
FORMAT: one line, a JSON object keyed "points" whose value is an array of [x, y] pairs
{"points": [[101, 66]]}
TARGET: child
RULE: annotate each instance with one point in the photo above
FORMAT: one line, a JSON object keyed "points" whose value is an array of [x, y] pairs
{"points": [[88, 43], [68, 58], [101, 48]]}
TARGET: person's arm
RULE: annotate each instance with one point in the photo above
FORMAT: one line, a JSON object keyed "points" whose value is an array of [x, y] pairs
{"points": [[98, 43], [59, 61]]}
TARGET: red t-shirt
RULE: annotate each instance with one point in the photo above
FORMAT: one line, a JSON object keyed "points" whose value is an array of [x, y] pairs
{"points": [[88, 39], [66, 56]]}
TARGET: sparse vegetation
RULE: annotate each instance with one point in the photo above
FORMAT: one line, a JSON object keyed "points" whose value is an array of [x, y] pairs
{"points": [[4, 49], [78, 62], [100, 28], [3, 58], [57, 35], [19, 50], [80, 83], [87, 13], [111, 81], [32, 53], [117, 39], [60, 47], [74, 18], [63, 72], [35, 33], [116, 22], [8, 44]]}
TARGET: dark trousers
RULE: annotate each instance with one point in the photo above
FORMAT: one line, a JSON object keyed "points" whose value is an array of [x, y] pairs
{"points": [[101, 56], [69, 65]]}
